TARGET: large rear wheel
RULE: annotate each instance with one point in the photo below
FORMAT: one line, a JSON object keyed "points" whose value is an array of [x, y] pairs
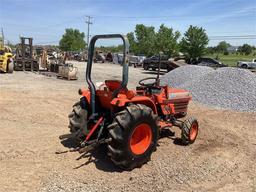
{"points": [[78, 121], [134, 134]]}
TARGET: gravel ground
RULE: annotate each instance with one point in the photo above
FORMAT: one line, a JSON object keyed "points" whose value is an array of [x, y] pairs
{"points": [[228, 88], [34, 111]]}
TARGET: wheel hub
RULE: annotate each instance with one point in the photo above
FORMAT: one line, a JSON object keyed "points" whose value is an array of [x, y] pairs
{"points": [[193, 131], [141, 139]]}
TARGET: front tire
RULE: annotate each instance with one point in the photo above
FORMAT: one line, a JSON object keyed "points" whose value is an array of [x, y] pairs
{"points": [[134, 133], [189, 131]]}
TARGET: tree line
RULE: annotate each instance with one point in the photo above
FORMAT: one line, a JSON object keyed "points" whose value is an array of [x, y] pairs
{"points": [[145, 40], [223, 47]]}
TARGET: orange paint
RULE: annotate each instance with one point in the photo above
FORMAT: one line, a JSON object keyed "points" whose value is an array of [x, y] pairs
{"points": [[141, 139]]}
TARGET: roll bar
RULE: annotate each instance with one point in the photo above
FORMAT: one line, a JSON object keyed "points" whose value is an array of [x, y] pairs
{"points": [[89, 66]]}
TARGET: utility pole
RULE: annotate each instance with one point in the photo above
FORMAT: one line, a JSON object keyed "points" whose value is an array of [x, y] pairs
{"points": [[88, 21], [2, 36]]}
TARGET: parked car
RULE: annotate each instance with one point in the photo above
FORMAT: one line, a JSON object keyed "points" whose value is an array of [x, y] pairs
{"points": [[141, 59], [206, 61], [136, 61], [99, 57], [117, 58], [109, 57], [152, 63], [133, 60], [247, 65], [77, 57]]}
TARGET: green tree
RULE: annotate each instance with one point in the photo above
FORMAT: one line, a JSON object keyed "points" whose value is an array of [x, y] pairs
{"points": [[133, 43], [72, 40], [142, 41], [166, 40], [223, 46], [245, 49], [194, 42], [145, 39]]}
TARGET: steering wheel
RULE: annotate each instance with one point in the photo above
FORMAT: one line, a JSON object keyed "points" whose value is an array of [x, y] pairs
{"points": [[148, 84]]}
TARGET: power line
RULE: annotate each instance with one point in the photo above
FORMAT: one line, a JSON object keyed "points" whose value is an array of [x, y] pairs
{"points": [[163, 16], [232, 37]]}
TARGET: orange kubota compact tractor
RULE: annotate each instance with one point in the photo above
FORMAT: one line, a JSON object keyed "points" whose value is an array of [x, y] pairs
{"points": [[128, 121]]}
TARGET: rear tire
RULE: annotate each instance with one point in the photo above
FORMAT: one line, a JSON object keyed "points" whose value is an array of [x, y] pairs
{"points": [[189, 131], [126, 124], [145, 67], [78, 121]]}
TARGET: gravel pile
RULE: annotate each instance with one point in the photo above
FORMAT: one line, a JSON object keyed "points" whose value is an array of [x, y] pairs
{"points": [[184, 74], [227, 88]]}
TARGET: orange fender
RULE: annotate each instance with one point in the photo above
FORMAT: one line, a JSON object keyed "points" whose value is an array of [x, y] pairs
{"points": [[85, 93], [122, 101]]}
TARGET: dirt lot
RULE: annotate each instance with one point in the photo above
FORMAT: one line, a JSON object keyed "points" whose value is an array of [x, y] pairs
{"points": [[34, 111]]}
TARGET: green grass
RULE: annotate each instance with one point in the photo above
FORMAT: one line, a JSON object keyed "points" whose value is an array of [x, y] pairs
{"points": [[231, 59]]}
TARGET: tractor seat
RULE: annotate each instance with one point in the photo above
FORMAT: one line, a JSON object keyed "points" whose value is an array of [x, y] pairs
{"points": [[112, 84]]}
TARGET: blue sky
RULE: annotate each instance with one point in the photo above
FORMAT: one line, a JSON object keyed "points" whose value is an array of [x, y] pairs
{"points": [[46, 20]]}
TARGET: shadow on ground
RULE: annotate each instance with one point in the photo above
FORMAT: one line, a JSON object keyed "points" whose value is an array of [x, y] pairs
{"points": [[98, 156], [167, 133]]}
